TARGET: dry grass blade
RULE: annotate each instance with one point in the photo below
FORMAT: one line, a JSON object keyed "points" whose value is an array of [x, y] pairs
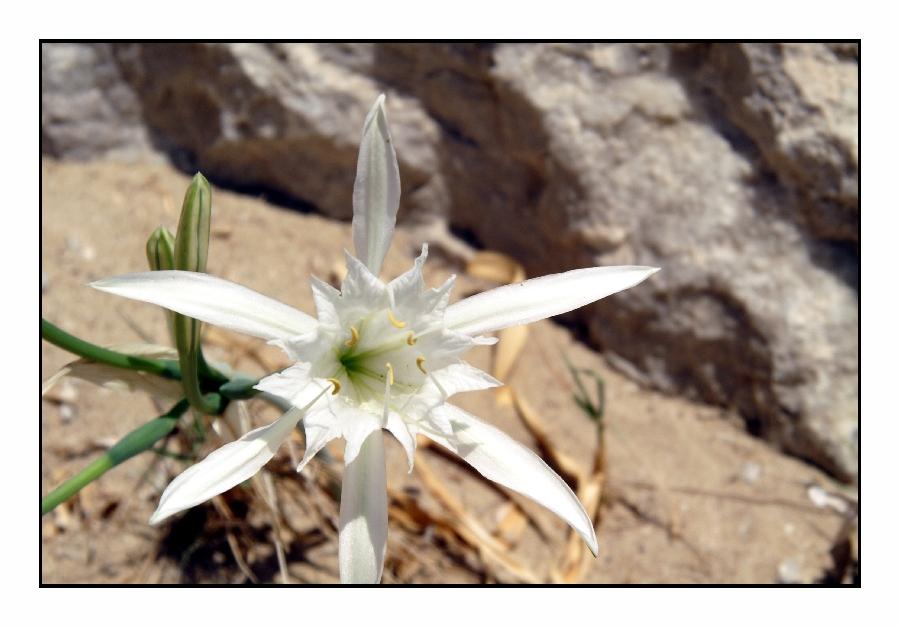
{"points": [[468, 528], [590, 491], [561, 463], [497, 267], [542, 529], [226, 513], [237, 420], [511, 522], [265, 487]]}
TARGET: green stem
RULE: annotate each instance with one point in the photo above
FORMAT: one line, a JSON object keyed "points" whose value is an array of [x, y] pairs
{"points": [[161, 367], [138, 441], [187, 338]]}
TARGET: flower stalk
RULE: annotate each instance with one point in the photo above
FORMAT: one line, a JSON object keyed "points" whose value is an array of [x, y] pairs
{"points": [[191, 249]]}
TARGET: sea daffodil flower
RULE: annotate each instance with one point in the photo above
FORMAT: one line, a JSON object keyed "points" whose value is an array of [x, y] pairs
{"points": [[379, 356]]}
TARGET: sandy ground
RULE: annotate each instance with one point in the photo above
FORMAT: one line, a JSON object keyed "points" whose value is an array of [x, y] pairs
{"points": [[688, 496]]}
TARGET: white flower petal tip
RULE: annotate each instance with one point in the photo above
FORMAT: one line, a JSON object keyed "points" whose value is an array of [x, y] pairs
{"points": [[594, 546], [225, 467], [213, 300], [536, 299], [376, 191]]}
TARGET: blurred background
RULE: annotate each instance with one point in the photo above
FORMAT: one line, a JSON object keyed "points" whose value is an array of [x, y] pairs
{"points": [[721, 442]]}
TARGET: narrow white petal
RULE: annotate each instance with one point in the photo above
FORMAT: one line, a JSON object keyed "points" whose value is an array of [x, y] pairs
{"points": [[503, 460], [376, 192], [364, 523], [212, 300], [225, 467], [536, 299]]}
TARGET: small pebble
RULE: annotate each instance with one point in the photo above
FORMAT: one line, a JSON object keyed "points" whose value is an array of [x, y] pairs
{"points": [[67, 392], [66, 412], [789, 571], [751, 472], [821, 498]]}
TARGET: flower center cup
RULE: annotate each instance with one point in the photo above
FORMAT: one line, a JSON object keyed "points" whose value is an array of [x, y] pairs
{"points": [[379, 359]]}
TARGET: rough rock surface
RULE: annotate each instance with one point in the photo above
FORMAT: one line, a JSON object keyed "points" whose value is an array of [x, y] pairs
{"points": [[733, 167]]}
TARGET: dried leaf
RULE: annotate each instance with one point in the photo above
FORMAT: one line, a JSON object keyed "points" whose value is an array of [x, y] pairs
{"points": [[120, 378]]}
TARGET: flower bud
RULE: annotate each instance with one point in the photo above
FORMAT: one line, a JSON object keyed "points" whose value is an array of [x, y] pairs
{"points": [[191, 247], [161, 250], [192, 239]]}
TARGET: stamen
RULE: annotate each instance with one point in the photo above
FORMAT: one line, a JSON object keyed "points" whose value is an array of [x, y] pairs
{"points": [[439, 386], [354, 338], [420, 362], [411, 339], [336, 384], [397, 323], [390, 374]]}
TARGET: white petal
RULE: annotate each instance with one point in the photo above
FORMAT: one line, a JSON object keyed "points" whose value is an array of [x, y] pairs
{"points": [[405, 434], [503, 460], [212, 300], [441, 385], [376, 191], [294, 384], [463, 377], [225, 467], [336, 419], [326, 299], [361, 287], [364, 524], [536, 299], [407, 289]]}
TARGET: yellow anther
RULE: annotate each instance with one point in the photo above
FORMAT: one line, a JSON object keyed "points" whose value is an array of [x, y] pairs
{"points": [[354, 338], [336, 384], [411, 339], [390, 374], [397, 323], [420, 362]]}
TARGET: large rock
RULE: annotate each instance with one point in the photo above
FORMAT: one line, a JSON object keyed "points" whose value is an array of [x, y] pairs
{"points": [[733, 167]]}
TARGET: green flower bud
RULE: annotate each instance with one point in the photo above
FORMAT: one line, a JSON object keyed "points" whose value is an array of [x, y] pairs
{"points": [[192, 239], [191, 247], [161, 250]]}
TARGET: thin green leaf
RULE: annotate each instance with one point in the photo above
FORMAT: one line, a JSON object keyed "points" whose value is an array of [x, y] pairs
{"points": [[594, 408], [141, 439]]}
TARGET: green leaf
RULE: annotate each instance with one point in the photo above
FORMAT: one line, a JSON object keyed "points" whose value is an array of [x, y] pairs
{"points": [[593, 408], [141, 439]]}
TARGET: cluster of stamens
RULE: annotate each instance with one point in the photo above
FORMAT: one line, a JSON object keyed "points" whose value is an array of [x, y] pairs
{"points": [[350, 362]]}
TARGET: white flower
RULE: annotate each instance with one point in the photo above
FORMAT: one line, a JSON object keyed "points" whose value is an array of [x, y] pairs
{"points": [[379, 356]]}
